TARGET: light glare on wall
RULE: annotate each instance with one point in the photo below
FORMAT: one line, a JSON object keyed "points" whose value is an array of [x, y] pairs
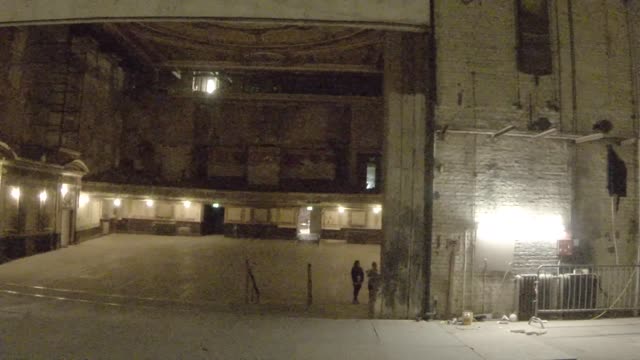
{"points": [[149, 202], [377, 209], [117, 202], [43, 196], [64, 189], [84, 199], [340, 209], [15, 193], [187, 204], [512, 223]]}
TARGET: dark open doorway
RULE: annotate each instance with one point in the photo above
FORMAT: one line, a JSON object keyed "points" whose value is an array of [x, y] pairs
{"points": [[213, 220]]}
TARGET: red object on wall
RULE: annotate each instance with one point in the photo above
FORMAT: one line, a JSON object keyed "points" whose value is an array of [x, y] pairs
{"points": [[565, 247]]}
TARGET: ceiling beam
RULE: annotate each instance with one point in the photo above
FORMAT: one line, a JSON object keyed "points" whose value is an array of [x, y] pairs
{"points": [[228, 65], [281, 99], [138, 51]]}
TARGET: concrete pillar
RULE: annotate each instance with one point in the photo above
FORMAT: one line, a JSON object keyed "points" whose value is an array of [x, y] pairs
{"points": [[408, 178]]}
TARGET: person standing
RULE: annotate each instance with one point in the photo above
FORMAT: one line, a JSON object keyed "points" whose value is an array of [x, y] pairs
{"points": [[357, 278], [373, 285]]}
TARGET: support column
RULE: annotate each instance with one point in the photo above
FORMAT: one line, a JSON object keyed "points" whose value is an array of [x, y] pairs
{"points": [[408, 178]]}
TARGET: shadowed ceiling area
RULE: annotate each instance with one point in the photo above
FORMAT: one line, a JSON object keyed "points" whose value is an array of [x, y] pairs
{"points": [[224, 46]]}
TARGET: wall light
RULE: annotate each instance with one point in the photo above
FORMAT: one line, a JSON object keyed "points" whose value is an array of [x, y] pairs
{"points": [[64, 189], [187, 204], [149, 202], [15, 192], [216, 205], [117, 202], [43, 196], [310, 208], [84, 200], [340, 209], [377, 209]]}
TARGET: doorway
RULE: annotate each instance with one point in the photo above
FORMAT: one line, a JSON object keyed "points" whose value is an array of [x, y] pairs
{"points": [[213, 220], [66, 227]]}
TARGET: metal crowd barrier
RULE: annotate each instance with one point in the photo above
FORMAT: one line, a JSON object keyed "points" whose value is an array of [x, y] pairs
{"points": [[586, 288]]}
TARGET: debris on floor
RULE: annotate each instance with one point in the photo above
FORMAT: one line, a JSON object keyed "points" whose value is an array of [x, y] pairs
{"points": [[534, 320]]}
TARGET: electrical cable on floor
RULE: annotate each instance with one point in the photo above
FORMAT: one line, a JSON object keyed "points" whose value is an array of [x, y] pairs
{"points": [[619, 296]]}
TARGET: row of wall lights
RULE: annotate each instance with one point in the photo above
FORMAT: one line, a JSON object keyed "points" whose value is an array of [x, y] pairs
{"points": [[149, 202], [16, 193]]}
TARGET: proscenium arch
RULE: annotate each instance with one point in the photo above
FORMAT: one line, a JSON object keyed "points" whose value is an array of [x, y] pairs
{"points": [[403, 15]]}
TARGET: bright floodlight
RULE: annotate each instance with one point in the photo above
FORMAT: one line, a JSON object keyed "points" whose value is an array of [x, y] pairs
{"points": [[43, 196], [186, 203], [149, 202], [117, 202], [15, 193], [513, 223]]}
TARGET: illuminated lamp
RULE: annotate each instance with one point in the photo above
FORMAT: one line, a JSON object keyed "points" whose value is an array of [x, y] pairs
{"points": [[15, 193], [43, 196], [341, 209], [310, 208], [149, 202], [377, 209], [216, 205], [117, 202], [205, 82], [187, 204]]}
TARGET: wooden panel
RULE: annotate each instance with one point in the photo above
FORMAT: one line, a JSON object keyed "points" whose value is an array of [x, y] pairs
{"points": [[233, 215], [358, 218], [261, 215]]}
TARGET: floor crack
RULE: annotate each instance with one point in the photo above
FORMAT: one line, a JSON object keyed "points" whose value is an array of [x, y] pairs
{"points": [[375, 332]]}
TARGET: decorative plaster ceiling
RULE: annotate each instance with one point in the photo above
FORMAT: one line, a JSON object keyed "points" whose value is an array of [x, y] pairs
{"points": [[221, 46]]}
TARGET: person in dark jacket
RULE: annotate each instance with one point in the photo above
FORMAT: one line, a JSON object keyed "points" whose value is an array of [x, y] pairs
{"points": [[357, 277], [373, 285]]}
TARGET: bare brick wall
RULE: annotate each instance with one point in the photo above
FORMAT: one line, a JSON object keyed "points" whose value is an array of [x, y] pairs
{"points": [[532, 174], [46, 67], [310, 136], [479, 87]]}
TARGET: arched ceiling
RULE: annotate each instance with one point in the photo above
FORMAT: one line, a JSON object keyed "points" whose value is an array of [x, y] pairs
{"points": [[219, 46]]}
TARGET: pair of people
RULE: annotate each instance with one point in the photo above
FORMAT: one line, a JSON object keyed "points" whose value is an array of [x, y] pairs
{"points": [[357, 277]]}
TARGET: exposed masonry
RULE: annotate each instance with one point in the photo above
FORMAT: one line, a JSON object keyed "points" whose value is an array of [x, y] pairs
{"points": [[479, 87]]}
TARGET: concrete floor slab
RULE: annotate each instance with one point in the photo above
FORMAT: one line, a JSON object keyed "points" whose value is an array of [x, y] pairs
{"points": [[124, 297], [196, 269]]}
